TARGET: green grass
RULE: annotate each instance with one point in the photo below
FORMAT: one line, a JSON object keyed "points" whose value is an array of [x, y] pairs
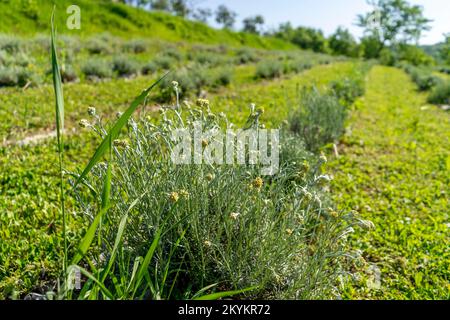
{"points": [[121, 20], [394, 169]]}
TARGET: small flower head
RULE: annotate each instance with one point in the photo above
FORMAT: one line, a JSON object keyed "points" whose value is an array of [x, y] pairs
{"points": [[207, 243], [174, 197], [202, 103], [183, 193], [121, 143], [289, 232], [258, 183], [175, 84], [333, 213], [323, 180], [205, 143], [234, 215], [84, 123], [92, 112], [209, 177]]}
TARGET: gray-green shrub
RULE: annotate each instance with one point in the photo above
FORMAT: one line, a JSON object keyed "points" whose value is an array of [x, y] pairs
{"points": [[319, 120], [269, 69], [440, 93], [219, 224], [97, 68], [125, 66]]}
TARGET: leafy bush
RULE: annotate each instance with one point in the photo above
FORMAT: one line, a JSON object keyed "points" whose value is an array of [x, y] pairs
{"points": [[348, 89], [296, 66], [210, 224], [164, 62], [269, 70], [135, 46], [320, 119], [207, 58], [440, 94], [10, 44], [424, 80], [222, 77], [173, 53], [125, 66], [98, 46], [149, 68], [17, 76], [68, 74], [97, 68], [423, 77], [245, 56], [8, 77], [191, 80]]}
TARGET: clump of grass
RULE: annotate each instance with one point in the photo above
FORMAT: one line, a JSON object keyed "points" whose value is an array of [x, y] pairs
{"points": [[440, 94], [319, 120], [96, 68], [125, 66], [269, 70]]}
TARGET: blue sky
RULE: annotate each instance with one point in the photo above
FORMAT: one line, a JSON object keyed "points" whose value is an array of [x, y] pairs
{"points": [[329, 14]]}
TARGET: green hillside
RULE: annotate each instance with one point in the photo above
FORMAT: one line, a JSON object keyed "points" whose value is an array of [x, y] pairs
{"points": [[28, 17]]}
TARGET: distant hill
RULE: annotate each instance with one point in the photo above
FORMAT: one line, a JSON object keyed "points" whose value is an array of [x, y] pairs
{"points": [[29, 17]]}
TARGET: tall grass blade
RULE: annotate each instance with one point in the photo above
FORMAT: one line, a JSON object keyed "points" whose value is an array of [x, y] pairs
{"points": [[115, 130], [59, 112], [88, 237], [226, 294]]}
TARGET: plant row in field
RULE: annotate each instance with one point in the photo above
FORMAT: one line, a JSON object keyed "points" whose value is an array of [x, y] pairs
{"points": [[427, 81], [22, 62]]}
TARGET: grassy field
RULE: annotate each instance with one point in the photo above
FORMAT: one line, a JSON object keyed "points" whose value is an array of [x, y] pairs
{"points": [[19, 18], [394, 169], [359, 208]]}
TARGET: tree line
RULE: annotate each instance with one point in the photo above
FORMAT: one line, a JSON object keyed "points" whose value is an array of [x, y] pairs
{"points": [[391, 31]]}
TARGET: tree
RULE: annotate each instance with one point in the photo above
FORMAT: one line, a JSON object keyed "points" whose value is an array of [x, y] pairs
{"points": [[225, 17], [445, 50], [253, 24], [310, 38], [180, 8], [393, 21], [202, 15], [343, 43], [161, 5]]}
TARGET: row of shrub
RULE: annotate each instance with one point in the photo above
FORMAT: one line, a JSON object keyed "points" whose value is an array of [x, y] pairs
{"points": [[427, 81], [271, 69], [320, 119]]}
